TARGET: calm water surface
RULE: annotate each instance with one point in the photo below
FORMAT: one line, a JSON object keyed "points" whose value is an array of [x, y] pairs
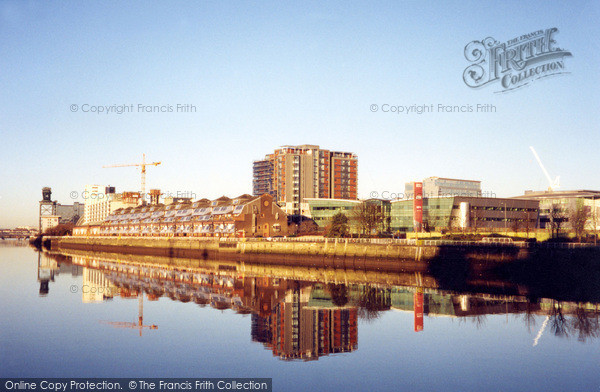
{"points": [[110, 316]]}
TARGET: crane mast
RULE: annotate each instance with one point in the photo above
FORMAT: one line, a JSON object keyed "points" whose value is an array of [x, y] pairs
{"points": [[142, 165], [552, 184]]}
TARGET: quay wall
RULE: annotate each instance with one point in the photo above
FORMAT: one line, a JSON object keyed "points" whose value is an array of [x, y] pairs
{"points": [[343, 253]]}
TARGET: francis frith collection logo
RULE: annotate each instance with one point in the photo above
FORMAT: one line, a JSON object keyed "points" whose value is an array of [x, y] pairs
{"points": [[516, 62]]}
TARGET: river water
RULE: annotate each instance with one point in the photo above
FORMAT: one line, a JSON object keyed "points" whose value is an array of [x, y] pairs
{"points": [[106, 315]]}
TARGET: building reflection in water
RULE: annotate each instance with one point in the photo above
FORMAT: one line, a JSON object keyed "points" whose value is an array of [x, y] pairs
{"points": [[306, 324], [96, 287], [302, 319], [51, 265]]}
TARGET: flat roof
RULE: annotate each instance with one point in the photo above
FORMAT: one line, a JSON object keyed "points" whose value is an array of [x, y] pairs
{"points": [[463, 197], [328, 199], [559, 194], [451, 179]]}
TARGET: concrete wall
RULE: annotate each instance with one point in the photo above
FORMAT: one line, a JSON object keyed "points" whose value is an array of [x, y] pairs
{"points": [[337, 253]]}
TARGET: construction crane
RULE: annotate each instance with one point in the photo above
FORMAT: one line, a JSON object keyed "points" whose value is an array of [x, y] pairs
{"points": [[552, 184], [143, 166], [140, 324]]}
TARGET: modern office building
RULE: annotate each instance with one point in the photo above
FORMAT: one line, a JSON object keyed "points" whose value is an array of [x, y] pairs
{"points": [[101, 201], [293, 173], [438, 213], [444, 187], [466, 213], [560, 205], [321, 211]]}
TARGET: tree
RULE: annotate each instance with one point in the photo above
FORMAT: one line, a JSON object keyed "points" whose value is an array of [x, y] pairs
{"points": [[338, 226], [556, 216], [339, 294], [60, 230], [368, 217], [308, 227], [515, 225], [475, 218], [371, 302], [527, 221], [438, 222], [584, 324], [578, 219]]}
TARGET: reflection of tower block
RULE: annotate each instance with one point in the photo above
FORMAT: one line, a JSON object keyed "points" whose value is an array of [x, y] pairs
{"points": [[96, 287], [47, 207], [46, 270]]}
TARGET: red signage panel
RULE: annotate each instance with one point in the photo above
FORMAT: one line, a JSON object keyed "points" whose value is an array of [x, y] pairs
{"points": [[418, 206], [418, 309]]}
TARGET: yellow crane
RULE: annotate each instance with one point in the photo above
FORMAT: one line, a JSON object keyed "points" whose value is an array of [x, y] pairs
{"points": [[143, 166]]}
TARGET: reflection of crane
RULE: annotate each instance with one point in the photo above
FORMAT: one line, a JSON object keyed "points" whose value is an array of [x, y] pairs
{"points": [[552, 184], [140, 324], [143, 166], [539, 335]]}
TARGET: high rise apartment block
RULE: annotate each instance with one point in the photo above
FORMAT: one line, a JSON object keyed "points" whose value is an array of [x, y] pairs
{"points": [[294, 173]]}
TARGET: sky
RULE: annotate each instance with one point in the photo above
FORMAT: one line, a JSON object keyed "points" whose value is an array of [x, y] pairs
{"points": [[265, 74]]}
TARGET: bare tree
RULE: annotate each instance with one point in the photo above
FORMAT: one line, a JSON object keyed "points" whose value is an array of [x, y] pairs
{"points": [[371, 302], [475, 217], [578, 219], [584, 324], [308, 226], [515, 226], [368, 217], [527, 221], [558, 322], [557, 218]]}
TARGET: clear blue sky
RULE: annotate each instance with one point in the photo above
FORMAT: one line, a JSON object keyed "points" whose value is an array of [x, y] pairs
{"points": [[267, 74]]}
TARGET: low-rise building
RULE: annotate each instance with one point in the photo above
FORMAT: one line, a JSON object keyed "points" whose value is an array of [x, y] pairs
{"points": [[322, 210], [561, 205], [243, 216], [466, 213], [437, 213], [48, 222], [361, 219]]}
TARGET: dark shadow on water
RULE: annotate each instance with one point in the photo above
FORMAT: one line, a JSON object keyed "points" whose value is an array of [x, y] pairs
{"points": [[566, 275], [561, 274], [451, 269]]}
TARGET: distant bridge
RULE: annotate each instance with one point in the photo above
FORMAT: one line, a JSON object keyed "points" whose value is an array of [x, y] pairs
{"points": [[17, 233]]}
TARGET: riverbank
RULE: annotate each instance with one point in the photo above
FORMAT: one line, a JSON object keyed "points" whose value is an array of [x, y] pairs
{"points": [[337, 252]]}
